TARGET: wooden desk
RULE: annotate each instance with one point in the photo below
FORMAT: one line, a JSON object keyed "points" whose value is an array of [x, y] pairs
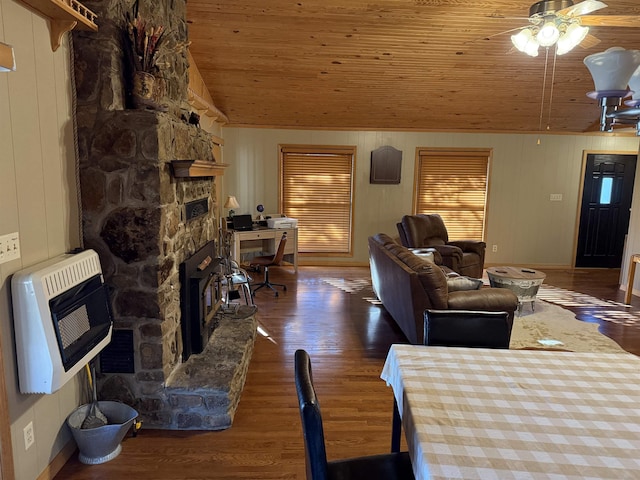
{"points": [[265, 240], [632, 273], [471, 413]]}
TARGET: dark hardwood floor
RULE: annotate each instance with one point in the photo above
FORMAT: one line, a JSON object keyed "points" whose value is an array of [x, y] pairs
{"points": [[347, 337]]}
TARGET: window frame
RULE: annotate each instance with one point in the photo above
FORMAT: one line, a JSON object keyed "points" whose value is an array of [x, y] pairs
{"points": [[303, 149], [484, 153]]}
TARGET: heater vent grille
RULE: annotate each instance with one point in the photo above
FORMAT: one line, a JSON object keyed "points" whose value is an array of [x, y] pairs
{"points": [[73, 326], [70, 275]]}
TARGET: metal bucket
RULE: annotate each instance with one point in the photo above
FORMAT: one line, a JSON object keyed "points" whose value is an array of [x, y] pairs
{"points": [[101, 444]]}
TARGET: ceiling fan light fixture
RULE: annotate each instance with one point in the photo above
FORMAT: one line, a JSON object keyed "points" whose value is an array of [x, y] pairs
{"points": [[571, 38], [525, 42], [612, 69], [634, 85], [548, 34]]}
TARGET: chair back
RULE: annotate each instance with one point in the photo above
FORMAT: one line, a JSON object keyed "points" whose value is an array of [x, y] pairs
{"points": [[465, 328], [312, 430], [402, 234], [277, 258], [423, 230]]}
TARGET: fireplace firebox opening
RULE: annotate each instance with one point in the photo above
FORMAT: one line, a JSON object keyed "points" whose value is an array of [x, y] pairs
{"points": [[199, 298]]}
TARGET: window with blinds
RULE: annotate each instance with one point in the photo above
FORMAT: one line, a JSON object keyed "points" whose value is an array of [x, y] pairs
{"points": [[316, 187], [453, 183]]}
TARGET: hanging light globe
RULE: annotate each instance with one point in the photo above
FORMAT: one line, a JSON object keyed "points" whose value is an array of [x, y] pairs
{"points": [[548, 34]]}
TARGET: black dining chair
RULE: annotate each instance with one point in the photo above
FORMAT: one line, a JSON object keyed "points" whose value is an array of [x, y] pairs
{"points": [[465, 328], [389, 466]]}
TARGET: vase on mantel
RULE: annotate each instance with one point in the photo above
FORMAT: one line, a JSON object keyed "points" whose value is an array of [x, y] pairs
{"points": [[143, 85]]}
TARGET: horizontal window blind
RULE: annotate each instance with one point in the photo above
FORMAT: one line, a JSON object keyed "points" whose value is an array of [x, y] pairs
{"points": [[317, 189], [454, 184]]}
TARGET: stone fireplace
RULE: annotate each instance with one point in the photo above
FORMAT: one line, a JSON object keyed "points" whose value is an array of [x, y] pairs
{"points": [[136, 215]]}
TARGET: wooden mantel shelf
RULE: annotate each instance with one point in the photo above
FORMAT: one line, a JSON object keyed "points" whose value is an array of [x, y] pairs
{"points": [[197, 168], [64, 15]]}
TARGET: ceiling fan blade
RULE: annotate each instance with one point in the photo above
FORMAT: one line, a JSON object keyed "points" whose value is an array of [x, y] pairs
{"points": [[503, 17], [488, 37], [589, 41], [582, 8], [611, 21]]}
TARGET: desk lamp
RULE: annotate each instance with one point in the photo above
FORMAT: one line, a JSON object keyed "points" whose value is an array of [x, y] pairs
{"points": [[231, 203]]}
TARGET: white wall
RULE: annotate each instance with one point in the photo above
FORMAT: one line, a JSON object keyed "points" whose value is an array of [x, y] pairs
{"points": [[526, 226], [38, 198]]}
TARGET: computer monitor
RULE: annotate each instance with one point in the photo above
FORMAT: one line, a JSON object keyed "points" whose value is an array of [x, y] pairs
{"points": [[242, 222]]}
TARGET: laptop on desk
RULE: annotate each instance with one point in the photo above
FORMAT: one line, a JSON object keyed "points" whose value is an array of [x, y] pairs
{"points": [[242, 223]]}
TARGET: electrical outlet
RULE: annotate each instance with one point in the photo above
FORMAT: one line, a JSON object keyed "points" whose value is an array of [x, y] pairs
{"points": [[29, 439], [9, 247], [494, 249]]}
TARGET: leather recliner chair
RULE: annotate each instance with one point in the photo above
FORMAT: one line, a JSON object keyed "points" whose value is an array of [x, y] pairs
{"points": [[465, 257]]}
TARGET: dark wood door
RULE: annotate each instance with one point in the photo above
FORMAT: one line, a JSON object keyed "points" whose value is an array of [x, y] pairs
{"points": [[604, 216]]}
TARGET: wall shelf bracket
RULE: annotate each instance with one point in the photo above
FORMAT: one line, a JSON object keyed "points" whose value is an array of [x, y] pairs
{"points": [[64, 15]]}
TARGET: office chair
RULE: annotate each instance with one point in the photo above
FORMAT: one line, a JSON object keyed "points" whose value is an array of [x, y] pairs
{"points": [[389, 466], [267, 261]]}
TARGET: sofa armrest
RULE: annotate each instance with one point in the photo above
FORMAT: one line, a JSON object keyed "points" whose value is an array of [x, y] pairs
{"points": [[485, 299], [475, 246], [451, 256], [449, 251]]}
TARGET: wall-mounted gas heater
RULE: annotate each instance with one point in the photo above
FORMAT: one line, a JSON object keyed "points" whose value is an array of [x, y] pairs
{"points": [[62, 319]]}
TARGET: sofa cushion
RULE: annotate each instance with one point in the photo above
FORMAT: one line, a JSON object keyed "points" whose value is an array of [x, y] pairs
{"points": [[460, 282]]}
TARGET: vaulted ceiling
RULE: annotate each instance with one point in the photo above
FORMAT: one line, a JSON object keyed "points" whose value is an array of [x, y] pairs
{"points": [[392, 64]]}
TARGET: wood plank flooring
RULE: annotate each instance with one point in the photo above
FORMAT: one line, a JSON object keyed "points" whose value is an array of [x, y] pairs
{"points": [[347, 337]]}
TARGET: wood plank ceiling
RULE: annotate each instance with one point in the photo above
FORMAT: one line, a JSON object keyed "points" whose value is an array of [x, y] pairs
{"points": [[391, 64]]}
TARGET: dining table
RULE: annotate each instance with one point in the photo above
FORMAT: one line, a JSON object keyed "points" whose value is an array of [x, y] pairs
{"points": [[475, 413]]}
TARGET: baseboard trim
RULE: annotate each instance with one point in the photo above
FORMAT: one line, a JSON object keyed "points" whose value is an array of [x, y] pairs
{"points": [[58, 461]]}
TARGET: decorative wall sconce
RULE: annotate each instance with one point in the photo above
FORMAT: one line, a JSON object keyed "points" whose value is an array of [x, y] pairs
{"points": [[616, 75], [7, 59]]}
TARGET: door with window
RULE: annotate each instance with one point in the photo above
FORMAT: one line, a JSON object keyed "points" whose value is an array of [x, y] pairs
{"points": [[453, 183], [605, 209]]}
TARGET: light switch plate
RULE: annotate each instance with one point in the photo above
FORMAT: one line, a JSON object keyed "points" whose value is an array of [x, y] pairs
{"points": [[9, 247]]}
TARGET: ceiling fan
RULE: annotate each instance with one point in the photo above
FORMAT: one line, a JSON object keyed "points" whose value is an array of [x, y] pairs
{"points": [[566, 25]]}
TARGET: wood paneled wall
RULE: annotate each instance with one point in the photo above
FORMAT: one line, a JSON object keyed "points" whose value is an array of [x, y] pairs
{"points": [[38, 196], [528, 228]]}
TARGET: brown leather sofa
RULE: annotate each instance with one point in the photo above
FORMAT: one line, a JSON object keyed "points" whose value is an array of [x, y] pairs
{"points": [[407, 285], [463, 256]]}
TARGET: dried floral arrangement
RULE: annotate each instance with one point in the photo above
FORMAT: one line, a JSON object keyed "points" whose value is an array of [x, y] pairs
{"points": [[145, 41]]}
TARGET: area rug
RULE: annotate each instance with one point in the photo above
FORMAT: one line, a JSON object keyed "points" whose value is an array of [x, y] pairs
{"points": [[549, 326], [553, 327]]}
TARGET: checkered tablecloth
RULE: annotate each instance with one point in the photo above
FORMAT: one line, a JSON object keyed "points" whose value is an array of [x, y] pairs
{"points": [[517, 414]]}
